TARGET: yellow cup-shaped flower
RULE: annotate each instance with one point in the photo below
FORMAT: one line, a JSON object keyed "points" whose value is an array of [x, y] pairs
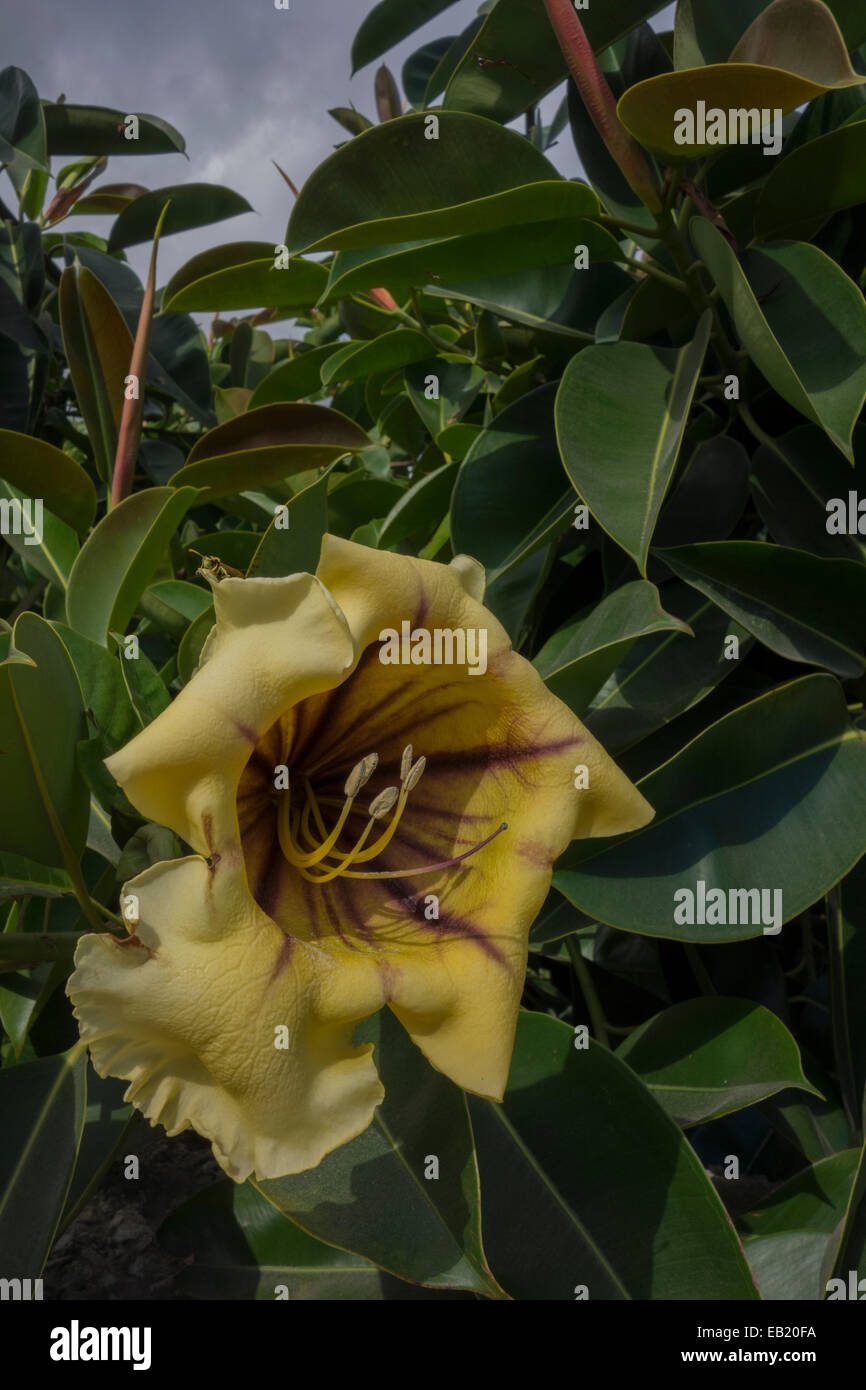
{"points": [[368, 831]]}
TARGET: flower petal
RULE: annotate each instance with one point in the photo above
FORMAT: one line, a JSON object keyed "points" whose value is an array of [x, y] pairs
{"points": [[275, 642], [191, 1017]]}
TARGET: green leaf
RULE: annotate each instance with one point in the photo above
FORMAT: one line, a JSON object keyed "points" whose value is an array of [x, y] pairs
{"points": [[736, 807], [476, 177], [243, 275], [456, 385], [265, 445], [792, 53], [371, 1196], [576, 661], [22, 127], [706, 1057], [293, 380], [101, 130], [102, 687], [21, 878], [98, 347], [296, 548], [663, 676], [120, 557], [801, 606], [38, 469], [814, 181], [387, 23], [521, 57], [418, 512], [707, 33], [43, 1106], [806, 335], [620, 448], [383, 354], [458, 258], [107, 1122], [145, 688], [847, 921], [244, 1248], [792, 492], [420, 66], [173, 604], [190, 205], [52, 551], [41, 721], [191, 644], [511, 498], [612, 1196], [787, 1234]]}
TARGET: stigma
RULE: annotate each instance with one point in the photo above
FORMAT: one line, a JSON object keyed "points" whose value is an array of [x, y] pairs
{"points": [[312, 849]]}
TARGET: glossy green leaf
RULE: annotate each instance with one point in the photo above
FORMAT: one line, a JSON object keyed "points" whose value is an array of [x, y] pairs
{"points": [[706, 1057], [790, 54], [511, 495], [21, 877], [420, 66], [190, 648], [190, 205], [101, 679], [97, 130], [293, 380], [22, 127], [98, 347], [41, 720], [51, 549], [387, 23], [120, 557], [612, 1196], [475, 177], [807, 332], [243, 1248], [145, 687], [43, 1105], [812, 183], [787, 1234], [804, 607], [172, 604], [664, 675], [710, 496], [620, 446], [384, 354], [447, 398], [792, 493], [708, 33], [265, 445], [576, 661], [243, 275], [426, 1232], [539, 245], [419, 511], [736, 808], [295, 549], [520, 56], [107, 1121], [39, 469]]}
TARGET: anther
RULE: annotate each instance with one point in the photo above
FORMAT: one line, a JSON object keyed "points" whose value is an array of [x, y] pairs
{"points": [[405, 762], [361, 774], [383, 803]]}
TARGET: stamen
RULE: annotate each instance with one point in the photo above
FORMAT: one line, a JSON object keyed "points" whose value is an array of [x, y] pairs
{"points": [[429, 868], [360, 774]]}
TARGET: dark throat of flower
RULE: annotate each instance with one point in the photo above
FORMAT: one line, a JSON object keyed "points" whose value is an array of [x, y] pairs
{"points": [[312, 849]]}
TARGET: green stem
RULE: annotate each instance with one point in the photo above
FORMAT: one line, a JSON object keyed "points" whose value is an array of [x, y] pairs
{"points": [[619, 224], [840, 1023], [654, 273], [762, 437], [587, 989]]}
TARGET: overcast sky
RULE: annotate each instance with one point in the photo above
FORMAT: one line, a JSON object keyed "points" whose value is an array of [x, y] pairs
{"points": [[243, 82]]}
